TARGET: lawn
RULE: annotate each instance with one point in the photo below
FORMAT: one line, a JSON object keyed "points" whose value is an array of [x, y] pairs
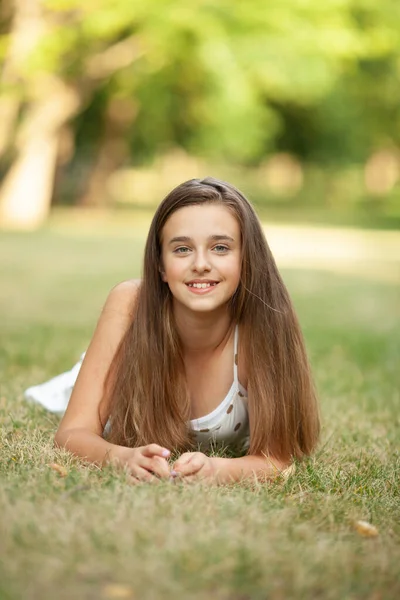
{"points": [[90, 535]]}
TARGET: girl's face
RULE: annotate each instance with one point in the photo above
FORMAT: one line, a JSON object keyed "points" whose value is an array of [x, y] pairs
{"points": [[201, 256]]}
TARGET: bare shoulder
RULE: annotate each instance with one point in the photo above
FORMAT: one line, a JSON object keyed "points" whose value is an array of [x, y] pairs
{"points": [[122, 297]]}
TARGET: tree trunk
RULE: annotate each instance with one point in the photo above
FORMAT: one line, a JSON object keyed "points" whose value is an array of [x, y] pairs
{"points": [[27, 189], [26, 28], [26, 193], [112, 150], [9, 108]]}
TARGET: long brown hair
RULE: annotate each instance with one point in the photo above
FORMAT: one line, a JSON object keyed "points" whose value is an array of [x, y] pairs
{"points": [[146, 381]]}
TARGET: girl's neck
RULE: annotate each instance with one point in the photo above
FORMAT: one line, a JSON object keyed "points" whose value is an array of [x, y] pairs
{"points": [[203, 334]]}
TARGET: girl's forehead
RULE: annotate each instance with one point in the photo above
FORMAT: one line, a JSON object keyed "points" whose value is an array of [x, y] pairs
{"points": [[201, 219]]}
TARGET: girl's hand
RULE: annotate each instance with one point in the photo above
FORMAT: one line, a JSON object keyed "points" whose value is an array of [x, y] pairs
{"points": [[193, 466], [146, 463]]}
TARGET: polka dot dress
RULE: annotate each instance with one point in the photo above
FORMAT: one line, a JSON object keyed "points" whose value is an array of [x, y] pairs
{"points": [[228, 424]]}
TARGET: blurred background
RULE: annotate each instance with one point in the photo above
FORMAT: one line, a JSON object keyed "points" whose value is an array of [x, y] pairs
{"points": [[108, 104], [105, 105]]}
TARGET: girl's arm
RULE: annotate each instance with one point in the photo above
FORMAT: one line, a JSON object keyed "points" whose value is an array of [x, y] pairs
{"points": [[81, 428], [228, 470], [196, 465]]}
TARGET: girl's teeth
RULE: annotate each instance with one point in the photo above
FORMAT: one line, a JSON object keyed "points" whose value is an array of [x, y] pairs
{"points": [[201, 285]]}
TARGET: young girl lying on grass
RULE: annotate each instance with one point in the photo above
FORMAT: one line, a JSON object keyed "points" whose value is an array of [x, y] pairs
{"points": [[205, 350]]}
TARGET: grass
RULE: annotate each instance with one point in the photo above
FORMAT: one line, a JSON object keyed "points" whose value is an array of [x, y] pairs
{"points": [[90, 535]]}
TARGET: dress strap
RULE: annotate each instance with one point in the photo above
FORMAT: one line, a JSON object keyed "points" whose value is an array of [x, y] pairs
{"points": [[235, 356]]}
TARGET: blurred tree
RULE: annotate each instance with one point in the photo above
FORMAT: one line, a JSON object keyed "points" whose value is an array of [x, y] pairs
{"points": [[9, 102], [39, 59], [361, 112], [123, 80]]}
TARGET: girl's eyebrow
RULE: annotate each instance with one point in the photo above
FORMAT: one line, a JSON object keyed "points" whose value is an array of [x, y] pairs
{"points": [[214, 238]]}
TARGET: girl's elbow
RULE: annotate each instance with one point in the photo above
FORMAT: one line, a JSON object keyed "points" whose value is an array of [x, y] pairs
{"points": [[60, 438], [58, 442]]}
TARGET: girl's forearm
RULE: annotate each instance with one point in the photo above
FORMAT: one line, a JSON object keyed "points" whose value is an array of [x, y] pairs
{"points": [[229, 470], [90, 446]]}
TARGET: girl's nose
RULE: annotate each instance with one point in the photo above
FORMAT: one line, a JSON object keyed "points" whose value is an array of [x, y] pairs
{"points": [[201, 262]]}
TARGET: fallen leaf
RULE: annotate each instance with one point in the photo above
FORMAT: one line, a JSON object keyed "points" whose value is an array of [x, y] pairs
{"points": [[366, 529], [62, 471], [117, 590]]}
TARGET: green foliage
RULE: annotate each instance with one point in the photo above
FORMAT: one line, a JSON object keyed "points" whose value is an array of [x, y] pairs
{"points": [[228, 80], [216, 77]]}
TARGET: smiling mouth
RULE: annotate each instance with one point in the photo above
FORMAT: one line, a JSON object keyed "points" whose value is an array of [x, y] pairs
{"points": [[202, 285]]}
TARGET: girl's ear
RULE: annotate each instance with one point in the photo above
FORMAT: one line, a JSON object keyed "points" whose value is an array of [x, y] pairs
{"points": [[162, 273]]}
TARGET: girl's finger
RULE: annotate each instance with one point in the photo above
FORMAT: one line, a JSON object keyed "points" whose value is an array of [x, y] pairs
{"points": [[142, 475], [184, 459], [191, 467], [132, 480], [155, 450], [156, 465]]}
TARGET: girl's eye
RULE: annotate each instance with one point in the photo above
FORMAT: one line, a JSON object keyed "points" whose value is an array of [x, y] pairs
{"points": [[219, 248]]}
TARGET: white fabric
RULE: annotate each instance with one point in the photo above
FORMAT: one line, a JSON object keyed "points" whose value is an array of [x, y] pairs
{"points": [[54, 394]]}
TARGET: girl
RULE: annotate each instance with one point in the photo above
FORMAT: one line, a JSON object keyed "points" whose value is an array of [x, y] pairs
{"points": [[206, 349]]}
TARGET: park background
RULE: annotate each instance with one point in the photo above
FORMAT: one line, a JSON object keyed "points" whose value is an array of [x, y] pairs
{"points": [[113, 103], [104, 107]]}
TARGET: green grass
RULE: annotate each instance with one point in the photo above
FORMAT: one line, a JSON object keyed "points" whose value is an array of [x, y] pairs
{"points": [[77, 536]]}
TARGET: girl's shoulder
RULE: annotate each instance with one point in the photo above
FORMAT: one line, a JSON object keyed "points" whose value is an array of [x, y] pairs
{"points": [[122, 297]]}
